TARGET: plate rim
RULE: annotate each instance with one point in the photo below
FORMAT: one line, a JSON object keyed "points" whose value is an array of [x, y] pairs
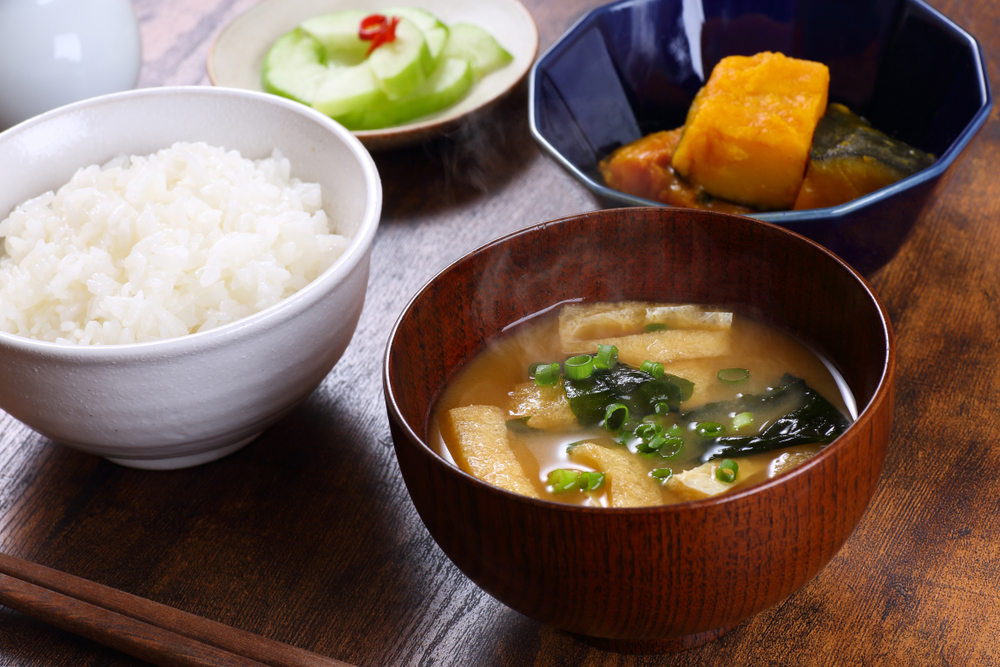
{"points": [[421, 130]]}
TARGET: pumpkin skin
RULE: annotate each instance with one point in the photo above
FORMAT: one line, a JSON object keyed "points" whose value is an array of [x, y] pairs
{"points": [[849, 159], [749, 129]]}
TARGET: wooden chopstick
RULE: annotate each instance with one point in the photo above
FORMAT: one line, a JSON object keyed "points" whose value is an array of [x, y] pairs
{"points": [[141, 628]]}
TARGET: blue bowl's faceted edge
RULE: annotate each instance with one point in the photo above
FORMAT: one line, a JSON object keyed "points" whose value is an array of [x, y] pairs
{"points": [[784, 218]]}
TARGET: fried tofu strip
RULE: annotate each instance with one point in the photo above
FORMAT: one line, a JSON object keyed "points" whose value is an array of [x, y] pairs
{"points": [[477, 437], [694, 332], [580, 322], [627, 482], [589, 321], [545, 407], [700, 483], [662, 346], [689, 316]]}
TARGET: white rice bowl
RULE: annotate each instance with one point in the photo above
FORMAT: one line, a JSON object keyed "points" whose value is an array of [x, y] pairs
{"points": [[155, 247]]}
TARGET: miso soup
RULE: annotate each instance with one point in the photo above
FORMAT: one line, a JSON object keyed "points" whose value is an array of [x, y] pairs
{"points": [[632, 404]]}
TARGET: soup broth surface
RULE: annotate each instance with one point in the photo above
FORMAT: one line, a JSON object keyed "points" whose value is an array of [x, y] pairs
{"points": [[766, 353]]}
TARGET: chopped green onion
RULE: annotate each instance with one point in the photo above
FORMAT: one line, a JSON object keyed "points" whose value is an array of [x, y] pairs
{"points": [[733, 375], [662, 408], [710, 429], [615, 416], [655, 326], [727, 471], [657, 420], [534, 367], [653, 444], [662, 474], [547, 375], [671, 447], [654, 368], [675, 431], [650, 436], [579, 367], [562, 480], [741, 420], [591, 481], [645, 431], [607, 356]]}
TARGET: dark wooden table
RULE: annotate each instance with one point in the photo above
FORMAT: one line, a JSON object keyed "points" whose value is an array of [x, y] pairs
{"points": [[308, 536]]}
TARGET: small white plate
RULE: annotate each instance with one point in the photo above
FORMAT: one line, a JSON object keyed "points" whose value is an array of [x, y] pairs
{"points": [[236, 57]]}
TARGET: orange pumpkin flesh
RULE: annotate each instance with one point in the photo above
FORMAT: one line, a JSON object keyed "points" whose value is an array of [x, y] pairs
{"points": [[749, 130], [642, 168]]}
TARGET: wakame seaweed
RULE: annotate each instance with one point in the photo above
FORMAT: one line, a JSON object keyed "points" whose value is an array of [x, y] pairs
{"points": [[814, 420], [808, 418], [637, 390]]}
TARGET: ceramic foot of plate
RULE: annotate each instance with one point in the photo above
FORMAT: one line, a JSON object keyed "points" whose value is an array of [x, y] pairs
{"points": [[187, 461], [651, 646]]}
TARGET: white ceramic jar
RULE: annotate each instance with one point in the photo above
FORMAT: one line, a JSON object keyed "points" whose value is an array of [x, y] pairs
{"points": [[53, 52]]}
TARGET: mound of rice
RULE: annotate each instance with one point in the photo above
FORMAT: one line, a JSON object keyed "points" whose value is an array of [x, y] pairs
{"points": [[154, 247]]}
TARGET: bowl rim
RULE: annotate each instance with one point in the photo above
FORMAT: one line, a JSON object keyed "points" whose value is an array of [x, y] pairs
{"points": [[835, 213], [356, 250], [882, 393]]}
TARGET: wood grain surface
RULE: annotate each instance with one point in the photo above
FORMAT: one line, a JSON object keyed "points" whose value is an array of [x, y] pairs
{"points": [[307, 536]]}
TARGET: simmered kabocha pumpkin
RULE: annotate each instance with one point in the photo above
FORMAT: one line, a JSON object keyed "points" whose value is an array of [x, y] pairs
{"points": [[753, 142], [748, 131], [849, 159], [642, 168]]}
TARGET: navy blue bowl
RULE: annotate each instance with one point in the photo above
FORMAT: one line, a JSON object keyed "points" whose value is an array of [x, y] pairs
{"points": [[633, 67]]}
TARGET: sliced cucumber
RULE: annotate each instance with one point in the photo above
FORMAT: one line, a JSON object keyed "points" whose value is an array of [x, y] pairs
{"points": [[435, 32], [426, 68], [345, 90], [450, 82], [478, 47], [402, 64], [294, 66], [338, 33]]}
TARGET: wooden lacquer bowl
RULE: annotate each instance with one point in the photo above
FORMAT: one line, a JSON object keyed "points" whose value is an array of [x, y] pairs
{"points": [[649, 579]]}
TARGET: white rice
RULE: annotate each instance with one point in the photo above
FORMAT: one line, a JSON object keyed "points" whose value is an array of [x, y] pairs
{"points": [[154, 247]]}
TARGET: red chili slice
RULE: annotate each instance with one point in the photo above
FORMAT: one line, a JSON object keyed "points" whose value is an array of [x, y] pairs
{"points": [[390, 30], [371, 26], [379, 30]]}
